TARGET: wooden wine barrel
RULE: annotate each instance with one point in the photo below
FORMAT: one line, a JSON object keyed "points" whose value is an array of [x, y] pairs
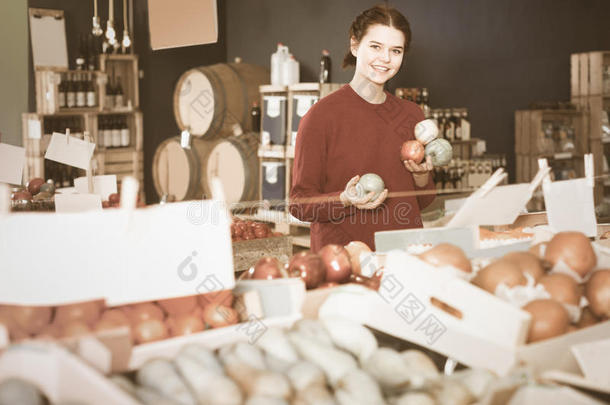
{"points": [[209, 100], [185, 174]]}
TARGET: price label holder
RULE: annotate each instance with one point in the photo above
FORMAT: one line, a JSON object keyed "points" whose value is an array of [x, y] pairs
{"points": [[569, 203], [69, 203], [12, 160], [68, 150], [496, 205], [102, 185]]}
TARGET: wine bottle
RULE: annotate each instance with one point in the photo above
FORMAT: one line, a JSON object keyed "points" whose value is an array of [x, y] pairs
{"points": [[255, 113], [62, 91], [81, 93], [125, 138], [91, 99], [109, 99], [118, 93], [70, 92], [325, 67], [116, 133], [81, 54], [101, 131], [108, 132]]}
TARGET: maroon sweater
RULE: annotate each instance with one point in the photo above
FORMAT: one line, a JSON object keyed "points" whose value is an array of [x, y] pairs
{"points": [[340, 137]]}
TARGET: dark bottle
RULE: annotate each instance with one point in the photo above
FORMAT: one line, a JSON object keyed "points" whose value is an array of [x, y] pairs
{"points": [[325, 67], [62, 91], [90, 91], [125, 137], [70, 92], [81, 92], [255, 113], [109, 99], [119, 99], [81, 56]]}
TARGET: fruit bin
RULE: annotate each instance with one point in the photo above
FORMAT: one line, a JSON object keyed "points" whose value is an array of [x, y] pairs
{"points": [[247, 252], [450, 316]]}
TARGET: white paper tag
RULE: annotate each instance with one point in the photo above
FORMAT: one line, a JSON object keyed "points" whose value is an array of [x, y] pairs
{"points": [[65, 203], [70, 151], [12, 160], [569, 206], [34, 130], [185, 139], [102, 185]]}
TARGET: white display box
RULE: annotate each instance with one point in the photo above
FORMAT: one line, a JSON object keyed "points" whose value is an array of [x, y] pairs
{"points": [[60, 375], [119, 255], [480, 330]]}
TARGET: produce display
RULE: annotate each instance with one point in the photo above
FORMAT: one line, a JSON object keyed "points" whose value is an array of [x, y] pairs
{"points": [[427, 143], [147, 321], [37, 195], [558, 284], [248, 230], [317, 362], [331, 266]]}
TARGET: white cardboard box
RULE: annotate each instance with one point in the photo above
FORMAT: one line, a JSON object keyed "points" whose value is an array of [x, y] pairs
{"points": [[118, 255], [487, 332]]}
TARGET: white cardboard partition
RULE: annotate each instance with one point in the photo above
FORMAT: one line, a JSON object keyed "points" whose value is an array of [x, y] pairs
{"points": [[102, 185], [569, 205], [119, 255]]}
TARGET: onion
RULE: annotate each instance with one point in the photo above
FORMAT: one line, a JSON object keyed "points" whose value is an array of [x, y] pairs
{"points": [[218, 316], [528, 262], [446, 254], [116, 316], [309, 267], [224, 297], [178, 306], [88, 312], [28, 319], [412, 150], [597, 291], [75, 329], [587, 318], [337, 263], [549, 319], [562, 288], [148, 331], [143, 312], [574, 249], [426, 131], [370, 182], [266, 268], [15, 332], [440, 151], [354, 248], [500, 271], [184, 324]]}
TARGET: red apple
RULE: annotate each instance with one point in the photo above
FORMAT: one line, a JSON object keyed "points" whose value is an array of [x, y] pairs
{"points": [[267, 268], [309, 267], [337, 263], [412, 150]]}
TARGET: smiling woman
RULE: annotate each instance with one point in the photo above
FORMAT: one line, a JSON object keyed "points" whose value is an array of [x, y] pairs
{"points": [[356, 130]]}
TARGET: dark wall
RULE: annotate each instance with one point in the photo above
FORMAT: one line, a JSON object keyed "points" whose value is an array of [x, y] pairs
{"points": [[161, 69], [491, 56]]}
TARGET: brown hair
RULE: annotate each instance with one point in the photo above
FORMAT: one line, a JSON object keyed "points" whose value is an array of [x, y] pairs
{"points": [[383, 15]]}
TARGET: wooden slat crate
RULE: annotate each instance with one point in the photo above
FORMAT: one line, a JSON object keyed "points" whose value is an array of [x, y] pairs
{"points": [[587, 73], [125, 66], [530, 137], [246, 253]]}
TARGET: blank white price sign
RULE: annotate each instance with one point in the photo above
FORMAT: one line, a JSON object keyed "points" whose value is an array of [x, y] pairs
{"points": [[70, 151], [569, 206], [12, 160]]}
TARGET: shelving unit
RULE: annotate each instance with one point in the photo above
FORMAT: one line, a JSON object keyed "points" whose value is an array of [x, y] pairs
{"points": [[590, 90], [49, 117]]}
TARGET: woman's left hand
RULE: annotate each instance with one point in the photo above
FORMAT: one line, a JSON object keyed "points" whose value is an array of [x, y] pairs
{"points": [[420, 171]]}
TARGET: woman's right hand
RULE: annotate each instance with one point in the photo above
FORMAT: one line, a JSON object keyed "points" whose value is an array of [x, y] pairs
{"points": [[350, 196]]}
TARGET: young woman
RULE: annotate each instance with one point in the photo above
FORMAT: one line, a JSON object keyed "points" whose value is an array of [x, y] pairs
{"points": [[360, 129]]}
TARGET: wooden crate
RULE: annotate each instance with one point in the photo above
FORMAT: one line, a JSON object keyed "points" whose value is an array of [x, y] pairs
{"points": [[134, 123], [47, 82], [246, 253], [125, 66], [530, 137], [587, 73]]}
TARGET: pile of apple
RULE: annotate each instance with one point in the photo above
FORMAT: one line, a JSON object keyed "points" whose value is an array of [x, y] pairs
{"points": [[35, 190], [331, 266], [248, 230], [114, 201]]}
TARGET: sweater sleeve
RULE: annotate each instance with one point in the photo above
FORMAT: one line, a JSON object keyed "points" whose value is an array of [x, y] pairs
{"points": [[308, 201]]}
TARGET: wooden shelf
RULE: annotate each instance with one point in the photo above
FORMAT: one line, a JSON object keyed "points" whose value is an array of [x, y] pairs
{"points": [[301, 240]]}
